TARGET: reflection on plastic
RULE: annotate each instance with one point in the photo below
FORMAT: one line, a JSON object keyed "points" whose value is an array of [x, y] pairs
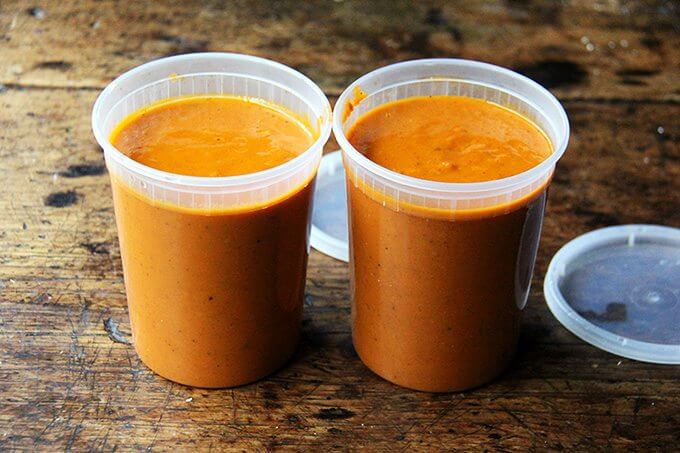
{"points": [[526, 258]]}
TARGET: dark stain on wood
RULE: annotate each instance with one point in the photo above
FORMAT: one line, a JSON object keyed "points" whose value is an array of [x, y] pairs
{"points": [[651, 43], [347, 348], [96, 248], [56, 65], [348, 392], [543, 12], [42, 298], [114, 332], [271, 399], [80, 170], [182, 44], [594, 218], [36, 12], [637, 72], [435, 18], [62, 199], [554, 73], [432, 44], [334, 413], [293, 419], [632, 82], [279, 42]]}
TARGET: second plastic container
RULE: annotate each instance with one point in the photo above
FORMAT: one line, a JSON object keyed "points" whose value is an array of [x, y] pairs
{"points": [[440, 272]]}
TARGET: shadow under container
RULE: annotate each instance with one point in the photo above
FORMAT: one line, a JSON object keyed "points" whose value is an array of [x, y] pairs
{"points": [[440, 272], [214, 267]]}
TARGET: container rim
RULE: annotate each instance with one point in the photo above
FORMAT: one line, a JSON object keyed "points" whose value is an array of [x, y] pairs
{"points": [[99, 117], [453, 187]]}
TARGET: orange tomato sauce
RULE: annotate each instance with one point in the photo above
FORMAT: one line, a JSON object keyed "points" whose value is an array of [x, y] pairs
{"points": [[450, 139], [215, 297], [212, 136], [437, 298]]}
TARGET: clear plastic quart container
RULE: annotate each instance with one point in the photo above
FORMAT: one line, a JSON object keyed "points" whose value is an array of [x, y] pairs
{"points": [[440, 272], [214, 266]]}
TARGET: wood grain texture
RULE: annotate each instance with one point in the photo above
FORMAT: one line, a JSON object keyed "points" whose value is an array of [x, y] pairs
{"points": [[69, 381], [605, 50]]}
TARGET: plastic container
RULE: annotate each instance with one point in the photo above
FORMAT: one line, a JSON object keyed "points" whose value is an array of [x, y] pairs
{"points": [[440, 272], [214, 267], [618, 288]]}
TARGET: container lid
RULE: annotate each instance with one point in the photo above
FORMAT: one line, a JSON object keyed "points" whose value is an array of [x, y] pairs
{"points": [[618, 288], [329, 218]]}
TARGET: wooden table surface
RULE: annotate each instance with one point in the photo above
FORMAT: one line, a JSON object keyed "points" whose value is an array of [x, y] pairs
{"points": [[69, 379]]}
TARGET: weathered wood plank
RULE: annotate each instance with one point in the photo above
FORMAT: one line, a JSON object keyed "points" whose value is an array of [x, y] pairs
{"points": [[75, 383], [579, 49], [65, 382]]}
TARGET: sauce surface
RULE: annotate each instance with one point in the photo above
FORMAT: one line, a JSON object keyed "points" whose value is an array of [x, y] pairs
{"points": [[449, 139], [212, 136]]}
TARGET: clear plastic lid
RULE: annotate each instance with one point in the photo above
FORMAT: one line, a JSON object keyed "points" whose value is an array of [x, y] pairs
{"points": [[329, 219], [618, 288]]}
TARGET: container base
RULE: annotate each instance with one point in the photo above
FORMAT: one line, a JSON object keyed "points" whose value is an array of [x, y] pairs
{"points": [[227, 383], [445, 388]]}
